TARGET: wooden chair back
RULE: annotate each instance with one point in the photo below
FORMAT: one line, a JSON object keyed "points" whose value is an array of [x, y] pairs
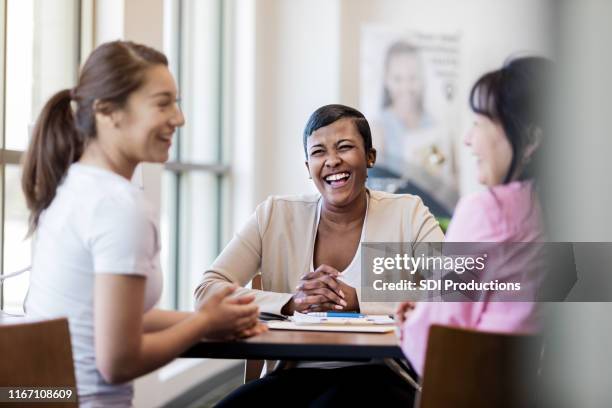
{"points": [[467, 368], [36, 354]]}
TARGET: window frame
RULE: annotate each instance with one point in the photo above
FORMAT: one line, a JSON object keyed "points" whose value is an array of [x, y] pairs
{"points": [[179, 169]]}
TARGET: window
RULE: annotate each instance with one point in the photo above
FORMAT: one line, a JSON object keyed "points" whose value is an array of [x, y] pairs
{"points": [[195, 178], [40, 50]]}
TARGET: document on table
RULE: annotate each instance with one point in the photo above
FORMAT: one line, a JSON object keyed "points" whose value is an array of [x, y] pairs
{"points": [[365, 324], [276, 325], [364, 320]]}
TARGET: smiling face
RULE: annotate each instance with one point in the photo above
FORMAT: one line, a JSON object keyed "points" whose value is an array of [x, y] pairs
{"points": [[337, 162], [492, 150], [151, 115], [404, 81]]}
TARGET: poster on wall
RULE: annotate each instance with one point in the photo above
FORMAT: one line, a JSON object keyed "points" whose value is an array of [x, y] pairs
{"points": [[408, 85]]}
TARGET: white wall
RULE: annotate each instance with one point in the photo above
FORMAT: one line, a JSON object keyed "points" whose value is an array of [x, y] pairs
{"points": [[294, 69], [297, 70], [307, 55]]}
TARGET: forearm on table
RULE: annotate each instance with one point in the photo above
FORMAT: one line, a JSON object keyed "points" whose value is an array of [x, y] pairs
{"points": [[155, 350], [157, 319]]}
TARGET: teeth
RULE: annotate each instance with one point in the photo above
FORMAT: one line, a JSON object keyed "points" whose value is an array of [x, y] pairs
{"points": [[337, 176]]}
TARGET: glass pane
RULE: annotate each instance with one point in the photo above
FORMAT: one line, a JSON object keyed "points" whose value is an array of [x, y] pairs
{"points": [[200, 80], [17, 249], [41, 58], [198, 232], [168, 220]]}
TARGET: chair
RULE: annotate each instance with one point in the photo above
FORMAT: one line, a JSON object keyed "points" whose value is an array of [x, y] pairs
{"points": [[253, 368], [467, 368], [36, 354]]}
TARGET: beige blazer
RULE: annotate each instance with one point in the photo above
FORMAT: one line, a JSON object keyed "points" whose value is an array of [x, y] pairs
{"points": [[279, 239]]}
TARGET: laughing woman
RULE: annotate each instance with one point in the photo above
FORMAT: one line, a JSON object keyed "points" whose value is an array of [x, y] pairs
{"points": [[308, 251]]}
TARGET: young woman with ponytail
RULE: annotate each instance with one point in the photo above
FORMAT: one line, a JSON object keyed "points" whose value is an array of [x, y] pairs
{"points": [[96, 243]]}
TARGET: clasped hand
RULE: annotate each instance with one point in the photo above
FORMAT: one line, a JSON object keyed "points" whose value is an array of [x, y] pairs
{"points": [[225, 317], [320, 291]]}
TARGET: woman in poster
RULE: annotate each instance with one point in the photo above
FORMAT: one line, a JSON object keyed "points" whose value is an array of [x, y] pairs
{"points": [[411, 145]]}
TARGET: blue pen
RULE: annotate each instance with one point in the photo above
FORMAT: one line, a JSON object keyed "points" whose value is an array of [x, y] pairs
{"points": [[337, 314]]}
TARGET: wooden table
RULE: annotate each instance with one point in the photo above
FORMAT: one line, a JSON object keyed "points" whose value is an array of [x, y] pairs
{"points": [[294, 345], [288, 345], [302, 345]]}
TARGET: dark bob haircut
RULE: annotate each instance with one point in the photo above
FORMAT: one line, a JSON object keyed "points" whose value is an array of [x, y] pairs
{"points": [[516, 97], [328, 114]]}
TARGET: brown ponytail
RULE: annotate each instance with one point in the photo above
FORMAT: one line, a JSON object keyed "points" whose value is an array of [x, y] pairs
{"points": [[54, 147], [111, 73]]}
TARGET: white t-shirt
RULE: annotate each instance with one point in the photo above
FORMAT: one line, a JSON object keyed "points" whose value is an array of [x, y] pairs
{"points": [[98, 222]]}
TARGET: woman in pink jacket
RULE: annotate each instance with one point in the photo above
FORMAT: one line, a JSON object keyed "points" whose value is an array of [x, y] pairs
{"points": [[506, 139]]}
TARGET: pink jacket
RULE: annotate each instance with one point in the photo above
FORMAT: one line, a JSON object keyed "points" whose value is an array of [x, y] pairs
{"points": [[504, 213]]}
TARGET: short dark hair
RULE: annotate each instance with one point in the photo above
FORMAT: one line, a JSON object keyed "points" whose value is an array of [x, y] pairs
{"points": [[516, 96], [328, 114]]}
